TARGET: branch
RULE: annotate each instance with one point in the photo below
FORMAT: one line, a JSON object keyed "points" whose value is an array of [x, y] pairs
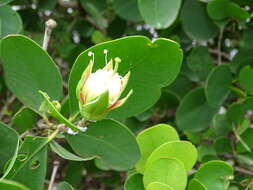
{"points": [[219, 46], [5, 107], [244, 171], [54, 172], [50, 25], [68, 3]]}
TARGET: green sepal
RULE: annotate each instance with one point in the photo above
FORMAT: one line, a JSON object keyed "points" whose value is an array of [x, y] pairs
{"points": [[96, 109]]}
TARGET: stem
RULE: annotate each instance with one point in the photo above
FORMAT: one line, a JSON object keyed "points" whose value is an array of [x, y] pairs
{"points": [[50, 25], [219, 46], [244, 171], [5, 107], [244, 144], [54, 172]]}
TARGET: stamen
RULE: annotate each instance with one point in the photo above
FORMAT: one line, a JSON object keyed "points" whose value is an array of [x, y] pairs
{"points": [[106, 53], [117, 61], [90, 53]]}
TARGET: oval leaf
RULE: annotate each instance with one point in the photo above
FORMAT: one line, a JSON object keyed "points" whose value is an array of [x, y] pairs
{"points": [[145, 59], [193, 15], [157, 185], [108, 140], [10, 21], [169, 171], [218, 85], [194, 113], [151, 138], [28, 68], [134, 182], [214, 174], [181, 150], [159, 13]]}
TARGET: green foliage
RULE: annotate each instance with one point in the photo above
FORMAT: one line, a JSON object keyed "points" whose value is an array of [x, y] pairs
{"points": [[190, 65], [29, 69], [139, 55]]}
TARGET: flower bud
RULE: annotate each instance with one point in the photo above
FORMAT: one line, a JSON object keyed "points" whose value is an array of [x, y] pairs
{"points": [[99, 92]]}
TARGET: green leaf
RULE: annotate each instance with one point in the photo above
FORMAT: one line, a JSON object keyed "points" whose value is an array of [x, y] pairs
{"points": [[245, 78], [221, 125], [181, 150], [223, 9], [145, 59], [64, 186], [237, 111], [4, 2], [28, 69], [159, 13], [200, 62], [247, 41], [64, 153], [134, 182], [168, 171], [194, 114], [247, 139], [11, 185], [10, 21], [31, 163], [195, 184], [127, 9], [218, 85], [107, 140], [222, 145], [24, 120], [215, 174], [151, 138], [9, 142], [242, 58], [157, 185], [193, 15]]}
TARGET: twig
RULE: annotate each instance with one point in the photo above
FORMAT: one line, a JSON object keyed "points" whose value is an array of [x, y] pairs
{"points": [[244, 144], [219, 46], [5, 107], [68, 4], [243, 170], [50, 25], [54, 172], [226, 56]]}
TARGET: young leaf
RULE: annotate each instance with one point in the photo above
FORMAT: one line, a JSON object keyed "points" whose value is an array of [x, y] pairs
{"points": [[181, 150], [151, 138], [168, 171], [134, 182]]}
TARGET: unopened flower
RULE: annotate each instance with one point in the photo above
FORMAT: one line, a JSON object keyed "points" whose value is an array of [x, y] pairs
{"points": [[99, 92]]}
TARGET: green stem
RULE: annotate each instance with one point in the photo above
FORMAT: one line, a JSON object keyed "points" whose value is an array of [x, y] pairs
{"points": [[244, 144]]}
